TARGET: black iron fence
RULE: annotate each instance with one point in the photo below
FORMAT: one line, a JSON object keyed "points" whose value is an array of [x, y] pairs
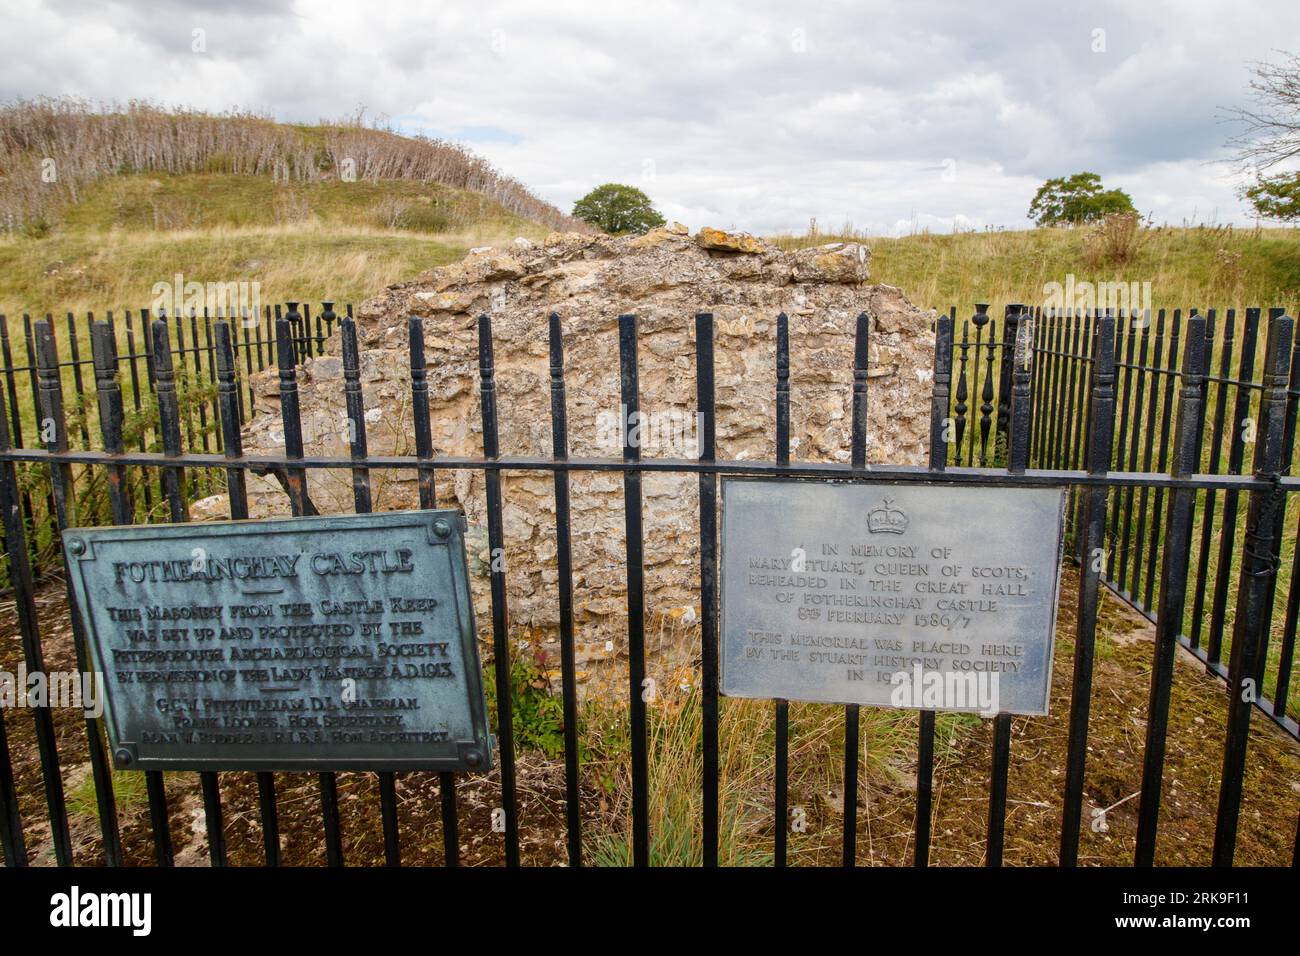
{"points": [[1149, 364], [254, 336], [1040, 364]]}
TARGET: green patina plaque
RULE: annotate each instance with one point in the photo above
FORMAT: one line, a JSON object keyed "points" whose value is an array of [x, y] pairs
{"points": [[343, 642]]}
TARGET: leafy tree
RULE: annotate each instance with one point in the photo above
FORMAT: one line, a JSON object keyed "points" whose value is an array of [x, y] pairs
{"points": [[1078, 199], [618, 209], [1268, 135], [1276, 197]]}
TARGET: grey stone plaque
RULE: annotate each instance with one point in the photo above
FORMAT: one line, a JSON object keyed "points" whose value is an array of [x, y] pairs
{"points": [[934, 597], [330, 643]]}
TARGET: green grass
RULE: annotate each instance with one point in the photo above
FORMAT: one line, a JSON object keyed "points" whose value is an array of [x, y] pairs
{"points": [[1187, 268], [129, 790], [328, 240]]}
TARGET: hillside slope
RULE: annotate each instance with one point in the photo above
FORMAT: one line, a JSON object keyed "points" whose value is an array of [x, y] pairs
{"points": [[1200, 267], [329, 239]]}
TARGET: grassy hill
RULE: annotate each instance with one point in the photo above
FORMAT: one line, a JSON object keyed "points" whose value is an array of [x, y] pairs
{"points": [[96, 206], [348, 240], [1202, 267], [344, 240]]}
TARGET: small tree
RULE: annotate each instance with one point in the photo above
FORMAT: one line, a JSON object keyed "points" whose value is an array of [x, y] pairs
{"points": [[1276, 197], [618, 209], [1268, 135], [1078, 199]]}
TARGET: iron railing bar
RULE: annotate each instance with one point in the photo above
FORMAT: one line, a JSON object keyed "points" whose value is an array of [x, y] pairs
{"points": [[1148, 452], [1159, 533], [1279, 518], [354, 401], [1017, 461], [564, 584], [1231, 501], [74, 346], [707, 440], [62, 492], [1173, 591], [13, 845], [20, 573], [227, 392], [939, 426], [629, 376], [1216, 448], [858, 459], [173, 483], [300, 503], [1125, 337], [103, 343], [428, 500], [781, 782], [1258, 567], [1101, 415], [500, 618], [958, 475]]}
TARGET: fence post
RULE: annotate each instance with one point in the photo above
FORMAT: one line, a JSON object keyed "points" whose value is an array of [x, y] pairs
{"points": [[1258, 567], [1017, 462], [1010, 324], [564, 584], [103, 350], [20, 575], [1173, 586], [497, 577], [169, 425], [49, 396], [708, 490], [1279, 519], [12, 843], [781, 788], [354, 398], [940, 422], [286, 353], [1092, 524], [858, 457], [428, 499], [629, 382], [1231, 497], [228, 400]]}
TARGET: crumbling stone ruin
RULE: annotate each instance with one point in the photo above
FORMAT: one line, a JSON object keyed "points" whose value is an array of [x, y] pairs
{"points": [[664, 277]]}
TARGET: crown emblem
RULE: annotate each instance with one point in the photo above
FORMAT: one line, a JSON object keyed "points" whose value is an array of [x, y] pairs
{"points": [[886, 519]]}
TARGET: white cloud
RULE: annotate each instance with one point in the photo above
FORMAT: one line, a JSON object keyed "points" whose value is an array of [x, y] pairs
{"points": [[758, 115]]}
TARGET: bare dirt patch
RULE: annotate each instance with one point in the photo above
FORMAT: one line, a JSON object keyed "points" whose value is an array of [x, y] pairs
{"points": [[887, 788]]}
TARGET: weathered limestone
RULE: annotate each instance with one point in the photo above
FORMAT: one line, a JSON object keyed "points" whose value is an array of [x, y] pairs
{"points": [[665, 277]]}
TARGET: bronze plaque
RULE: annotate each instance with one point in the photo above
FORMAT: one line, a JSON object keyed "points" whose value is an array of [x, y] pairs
{"points": [[328, 643]]}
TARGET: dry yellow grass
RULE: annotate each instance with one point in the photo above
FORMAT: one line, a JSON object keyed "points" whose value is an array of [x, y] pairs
{"points": [[1203, 267]]}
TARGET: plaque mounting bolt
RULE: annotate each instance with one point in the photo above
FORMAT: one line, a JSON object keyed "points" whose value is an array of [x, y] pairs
{"points": [[442, 528], [123, 757], [473, 758], [77, 546]]}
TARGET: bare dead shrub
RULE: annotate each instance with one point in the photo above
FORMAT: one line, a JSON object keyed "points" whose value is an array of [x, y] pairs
{"points": [[392, 213], [291, 206], [1114, 241], [51, 148]]}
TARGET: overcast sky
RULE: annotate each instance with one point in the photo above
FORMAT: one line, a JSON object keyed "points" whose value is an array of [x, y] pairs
{"points": [[753, 115]]}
